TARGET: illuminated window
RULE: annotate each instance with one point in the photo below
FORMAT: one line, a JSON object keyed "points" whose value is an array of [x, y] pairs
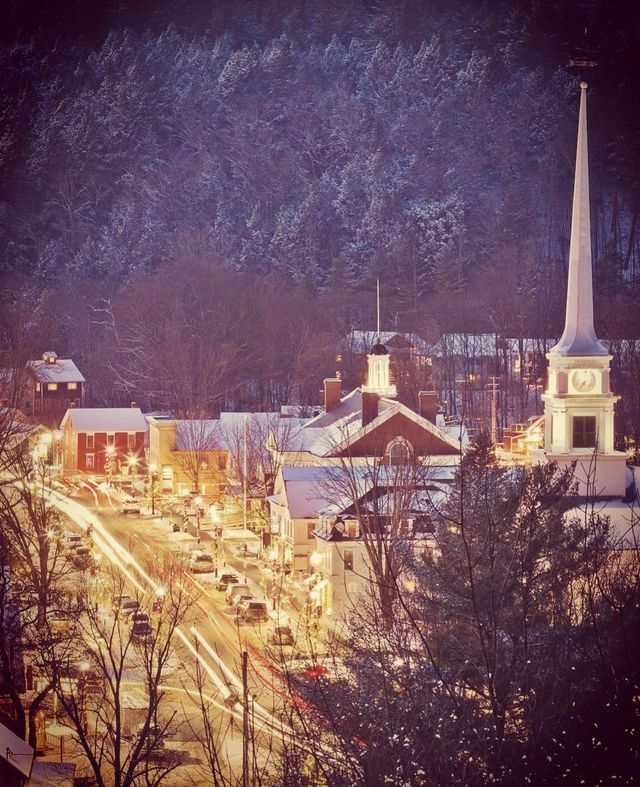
{"points": [[167, 473], [52, 386], [89, 461], [72, 386], [38, 387], [584, 431], [348, 559], [91, 441]]}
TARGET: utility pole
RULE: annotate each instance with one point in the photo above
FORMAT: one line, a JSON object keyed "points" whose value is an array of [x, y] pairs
{"points": [[245, 722], [244, 474], [493, 386]]}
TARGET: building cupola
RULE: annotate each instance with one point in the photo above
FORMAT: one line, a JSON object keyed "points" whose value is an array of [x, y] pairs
{"points": [[379, 372]]}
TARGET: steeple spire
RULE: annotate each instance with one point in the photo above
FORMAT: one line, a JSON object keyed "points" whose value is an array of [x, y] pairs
{"points": [[579, 336]]}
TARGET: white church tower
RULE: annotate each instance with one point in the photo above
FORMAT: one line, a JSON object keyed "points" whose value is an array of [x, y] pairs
{"points": [[578, 402]]}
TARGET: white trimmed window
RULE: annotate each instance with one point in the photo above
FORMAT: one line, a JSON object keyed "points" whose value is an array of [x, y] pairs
{"points": [[89, 461], [91, 441], [111, 439], [131, 440], [399, 451], [348, 559]]}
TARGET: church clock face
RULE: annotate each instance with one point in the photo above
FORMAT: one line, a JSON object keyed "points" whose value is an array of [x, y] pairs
{"points": [[583, 380]]}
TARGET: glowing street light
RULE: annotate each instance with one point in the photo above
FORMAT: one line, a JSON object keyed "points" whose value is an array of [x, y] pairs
{"points": [[110, 452]]}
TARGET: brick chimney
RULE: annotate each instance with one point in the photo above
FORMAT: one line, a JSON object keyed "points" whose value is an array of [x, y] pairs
{"points": [[133, 404], [428, 405], [332, 391], [369, 407]]}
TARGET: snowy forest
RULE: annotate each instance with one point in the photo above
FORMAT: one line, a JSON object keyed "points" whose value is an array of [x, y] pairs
{"points": [[230, 178]]}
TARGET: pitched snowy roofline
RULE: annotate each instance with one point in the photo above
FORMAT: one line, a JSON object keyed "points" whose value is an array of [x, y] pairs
{"points": [[63, 370], [105, 419]]}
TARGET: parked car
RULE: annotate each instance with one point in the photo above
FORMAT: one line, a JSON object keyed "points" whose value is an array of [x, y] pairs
{"points": [[280, 635], [236, 590], [73, 541], [253, 611], [201, 563], [141, 630], [240, 598], [226, 579], [137, 616], [82, 557], [131, 507]]}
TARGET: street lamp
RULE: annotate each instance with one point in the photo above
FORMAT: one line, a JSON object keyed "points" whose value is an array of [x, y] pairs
{"points": [[152, 482], [198, 502], [109, 459], [132, 462]]}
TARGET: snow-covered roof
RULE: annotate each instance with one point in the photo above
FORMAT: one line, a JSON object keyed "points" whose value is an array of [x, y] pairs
{"points": [[63, 370], [624, 521], [105, 419], [305, 499], [311, 491], [363, 341], [283, 431]]}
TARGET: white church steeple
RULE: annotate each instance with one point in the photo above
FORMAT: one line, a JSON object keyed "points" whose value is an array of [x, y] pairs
{"points": [[578, 402], [579, 336]]}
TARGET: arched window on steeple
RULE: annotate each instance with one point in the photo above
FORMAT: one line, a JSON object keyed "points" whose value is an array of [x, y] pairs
{"points": [[399, 452]]}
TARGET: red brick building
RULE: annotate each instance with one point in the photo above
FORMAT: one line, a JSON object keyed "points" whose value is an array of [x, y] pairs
{"points": [[104, 440]]}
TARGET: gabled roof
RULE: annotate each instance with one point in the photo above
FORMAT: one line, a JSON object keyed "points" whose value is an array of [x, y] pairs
{"points": [[105, 419], [332, 432], [63, 370]]}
